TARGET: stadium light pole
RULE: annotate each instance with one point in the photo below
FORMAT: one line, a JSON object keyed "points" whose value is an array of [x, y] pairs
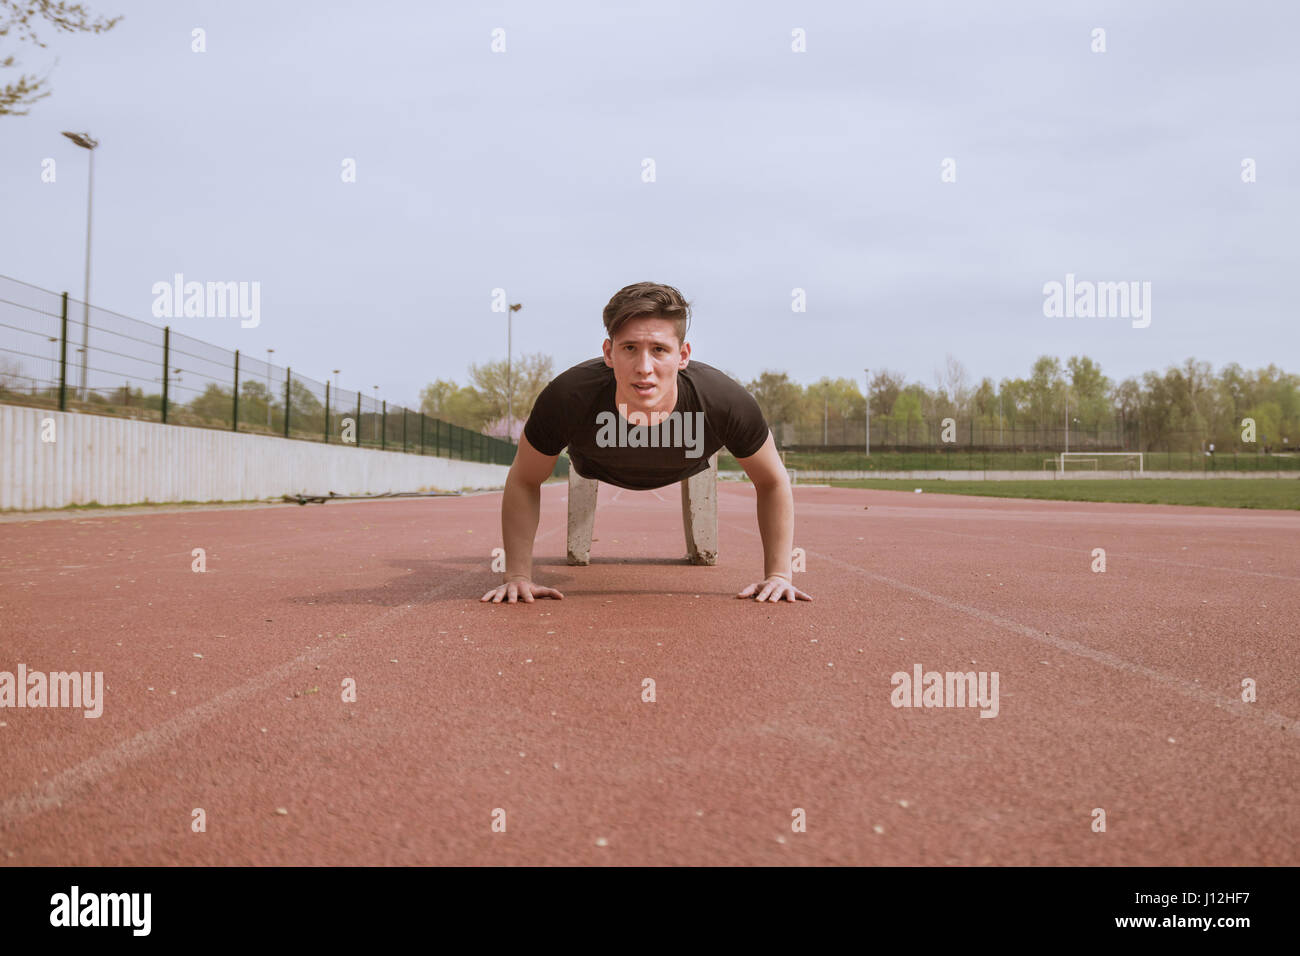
{"points": [[867, 372], [268, 388], [1067, 419], [510, 381], [336, 387], [85, 142], [54, 360]]}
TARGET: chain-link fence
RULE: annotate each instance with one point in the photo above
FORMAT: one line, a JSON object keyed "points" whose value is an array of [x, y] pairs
{"points": [[57, 352], [967, 440]]}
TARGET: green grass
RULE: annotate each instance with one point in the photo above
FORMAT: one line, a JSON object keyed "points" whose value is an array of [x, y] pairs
{"points": [[1274, 493]]}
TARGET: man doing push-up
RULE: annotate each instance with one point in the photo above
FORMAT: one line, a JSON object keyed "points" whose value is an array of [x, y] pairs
{"points": [[642, 417]]}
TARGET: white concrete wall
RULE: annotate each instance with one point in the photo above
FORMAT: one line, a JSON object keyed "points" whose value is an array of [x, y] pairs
{"points": [[118, 461]]}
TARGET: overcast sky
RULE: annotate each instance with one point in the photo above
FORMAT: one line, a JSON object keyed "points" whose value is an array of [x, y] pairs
{"points": [[774, 170]]}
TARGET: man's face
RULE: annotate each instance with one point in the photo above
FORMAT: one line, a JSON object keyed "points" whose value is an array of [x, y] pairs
{"points": [[646, 357]]}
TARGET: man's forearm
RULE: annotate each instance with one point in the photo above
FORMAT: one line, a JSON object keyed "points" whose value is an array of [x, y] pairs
{"points": [[521, 508], [776, 526]]}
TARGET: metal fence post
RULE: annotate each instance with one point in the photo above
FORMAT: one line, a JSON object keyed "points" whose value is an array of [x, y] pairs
{"points": [[421, 433], [383, 427], [403, 429], [167, 358], [63, 358], [235, 420], [327, 411], [288, 375], [357, 430]]}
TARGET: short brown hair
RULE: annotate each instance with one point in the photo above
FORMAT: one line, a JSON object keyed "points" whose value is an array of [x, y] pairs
{"points": [[647, 300]]}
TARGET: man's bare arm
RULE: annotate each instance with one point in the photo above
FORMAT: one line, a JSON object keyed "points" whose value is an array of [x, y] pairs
{"points": [[775, 525], [521, 507]]}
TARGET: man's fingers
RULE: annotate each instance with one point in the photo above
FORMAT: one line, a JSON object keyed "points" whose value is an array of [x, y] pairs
{"points": [[512, 592], [748, 592]]}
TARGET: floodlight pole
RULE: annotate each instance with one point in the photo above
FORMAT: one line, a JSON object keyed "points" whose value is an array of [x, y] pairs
{"points": [[85, 142], [1067, 419], [510, 382], [268, 387], [867, 372]]}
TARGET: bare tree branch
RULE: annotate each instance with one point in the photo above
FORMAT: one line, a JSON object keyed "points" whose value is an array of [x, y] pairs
{"points": [[16, 18]]}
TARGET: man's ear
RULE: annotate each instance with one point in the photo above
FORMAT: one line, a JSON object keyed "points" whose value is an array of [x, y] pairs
{"points": [[685, 356], [608, 349]]}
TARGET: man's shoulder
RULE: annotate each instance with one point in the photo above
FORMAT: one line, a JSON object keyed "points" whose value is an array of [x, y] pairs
{"points": [[711, 380], [591, 374]]}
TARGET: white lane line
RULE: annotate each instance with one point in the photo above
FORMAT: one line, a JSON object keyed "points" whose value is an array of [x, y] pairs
{"points": [[67, 785], [1196, 692]]}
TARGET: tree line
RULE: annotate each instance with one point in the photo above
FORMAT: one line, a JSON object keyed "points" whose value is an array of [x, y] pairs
{"points": [[1186, 405]]}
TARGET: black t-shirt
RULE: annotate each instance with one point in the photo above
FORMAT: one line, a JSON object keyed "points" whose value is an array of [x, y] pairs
{"points": [[712, 412]]}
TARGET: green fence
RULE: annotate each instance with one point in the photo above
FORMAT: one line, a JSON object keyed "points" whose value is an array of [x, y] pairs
{"points": [[55, 352], [920, 445], [957, 458]]}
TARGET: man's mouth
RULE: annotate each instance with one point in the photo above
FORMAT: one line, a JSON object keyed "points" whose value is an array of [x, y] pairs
{"points": [[644, 389]]}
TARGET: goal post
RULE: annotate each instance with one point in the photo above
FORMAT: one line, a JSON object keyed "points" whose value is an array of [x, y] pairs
{"points": [[1083, 463], [1102, 460]]}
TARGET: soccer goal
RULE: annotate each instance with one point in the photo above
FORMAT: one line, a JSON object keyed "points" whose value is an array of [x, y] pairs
{"points": [[1071, 464], [1099, 461]]}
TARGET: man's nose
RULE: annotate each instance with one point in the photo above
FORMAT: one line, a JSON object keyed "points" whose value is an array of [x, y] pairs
{"points": [[644, 363]]}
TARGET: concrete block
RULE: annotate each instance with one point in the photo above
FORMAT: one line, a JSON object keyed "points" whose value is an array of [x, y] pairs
{"points": [[700, 515], [582, 516]]}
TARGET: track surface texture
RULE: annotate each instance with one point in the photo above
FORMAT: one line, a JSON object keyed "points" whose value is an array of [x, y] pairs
{"points": [[1119, 691]]}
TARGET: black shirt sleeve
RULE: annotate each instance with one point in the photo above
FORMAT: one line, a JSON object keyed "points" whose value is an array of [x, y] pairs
{"points": [[746, 430], [547, 428]]}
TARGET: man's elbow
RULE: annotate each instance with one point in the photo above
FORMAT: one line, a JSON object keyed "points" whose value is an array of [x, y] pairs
{"points": [[778, 483], [517, 478]]}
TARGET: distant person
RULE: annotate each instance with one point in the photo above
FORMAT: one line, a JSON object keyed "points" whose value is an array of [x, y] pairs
{"points": [[687, 410]]}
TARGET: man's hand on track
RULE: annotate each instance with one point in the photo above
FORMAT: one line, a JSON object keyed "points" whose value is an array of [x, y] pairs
{"points": [[775, 588], [512, 592]]}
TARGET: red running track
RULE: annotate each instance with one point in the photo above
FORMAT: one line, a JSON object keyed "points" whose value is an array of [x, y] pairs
{"points": [[1119, 690]]}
